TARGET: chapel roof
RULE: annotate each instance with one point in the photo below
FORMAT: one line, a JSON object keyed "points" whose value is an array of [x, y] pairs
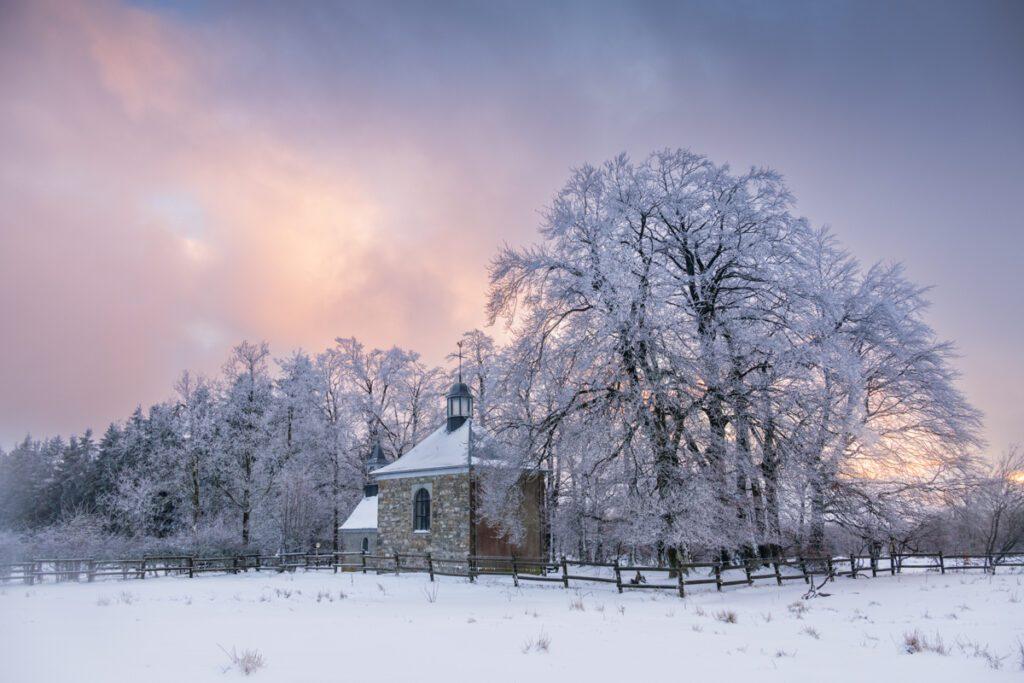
{"points": [[364, 517], [442, 452]]}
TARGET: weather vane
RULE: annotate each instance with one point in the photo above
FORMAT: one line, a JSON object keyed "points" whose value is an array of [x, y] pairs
{"points": [[460, 361]]}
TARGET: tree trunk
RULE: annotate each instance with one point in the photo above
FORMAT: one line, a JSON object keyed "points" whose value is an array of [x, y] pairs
{"points": [[817, 535], [246, 502], [196, 510], [770, 473], [334, 498]]}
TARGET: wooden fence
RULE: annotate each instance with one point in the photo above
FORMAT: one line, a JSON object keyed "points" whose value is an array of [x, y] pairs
{"points": [[563, 571]]}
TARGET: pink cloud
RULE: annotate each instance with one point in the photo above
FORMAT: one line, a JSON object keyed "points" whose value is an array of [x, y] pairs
{"points": [[153, 223]]}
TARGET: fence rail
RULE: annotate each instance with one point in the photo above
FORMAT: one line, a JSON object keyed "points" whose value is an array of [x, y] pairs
{"points": [[624, 576]]}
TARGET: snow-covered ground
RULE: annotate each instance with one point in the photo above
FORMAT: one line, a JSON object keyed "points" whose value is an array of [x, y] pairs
{"points": [[351, 627]]}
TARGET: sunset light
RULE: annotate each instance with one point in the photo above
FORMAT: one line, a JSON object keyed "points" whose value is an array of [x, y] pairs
{"points": [[593, 340]]}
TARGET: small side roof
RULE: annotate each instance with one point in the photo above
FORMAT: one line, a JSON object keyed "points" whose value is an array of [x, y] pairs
{"points": [[441, 452], [364, 517]]}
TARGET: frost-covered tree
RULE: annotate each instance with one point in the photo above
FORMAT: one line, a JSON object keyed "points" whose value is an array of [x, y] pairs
{"points": [[731, 370], [195, 411], [244, 464]]}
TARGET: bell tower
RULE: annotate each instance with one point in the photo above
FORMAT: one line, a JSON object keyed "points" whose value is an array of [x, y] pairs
{"points": [[374, 462], [460, 401]]}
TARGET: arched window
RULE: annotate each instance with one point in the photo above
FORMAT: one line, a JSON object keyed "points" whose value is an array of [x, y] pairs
{"points": [[366, 544], [421, 511]]}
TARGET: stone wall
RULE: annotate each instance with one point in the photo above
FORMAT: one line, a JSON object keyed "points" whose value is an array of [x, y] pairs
{"points": [[449, 516], [352, 542]]}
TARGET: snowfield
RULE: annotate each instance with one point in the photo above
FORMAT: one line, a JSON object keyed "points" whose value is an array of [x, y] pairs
{"points": [[354, 627]]}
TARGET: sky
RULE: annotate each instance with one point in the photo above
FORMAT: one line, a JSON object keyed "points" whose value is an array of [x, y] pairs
{"points": [[177, 177]]}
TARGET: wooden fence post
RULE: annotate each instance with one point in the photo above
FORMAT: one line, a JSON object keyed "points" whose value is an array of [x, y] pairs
{"points": [[682, 582], [618, 575], [778, 573], [470, 567], [515, 573], [397, 563], [874, 566], [898, 564], [831, 568], [191, 567], [718, 576], [430, 567], [746, 570], [142, 569], [362, 556], [853, 566], [942, 564], [91, 570], [803, 568], [565, 573]]}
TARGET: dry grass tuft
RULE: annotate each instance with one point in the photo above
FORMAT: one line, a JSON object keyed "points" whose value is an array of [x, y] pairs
{"points": [[542, 644], [798, 609], [430, 592], [812, 632], [914, 642], [726, 616], [978, 651], [248, 661]]}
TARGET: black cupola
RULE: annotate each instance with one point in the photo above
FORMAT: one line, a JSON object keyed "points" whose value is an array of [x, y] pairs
{"points": [[374, 462], [460, 405], [460, 400]]}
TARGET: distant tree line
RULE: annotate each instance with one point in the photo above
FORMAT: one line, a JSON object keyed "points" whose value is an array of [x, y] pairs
{"points": [[699, 371], [268, 453]]}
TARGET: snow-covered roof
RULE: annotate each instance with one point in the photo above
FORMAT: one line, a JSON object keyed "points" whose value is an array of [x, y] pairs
{"points": [[441, 452], [364, 517]]}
